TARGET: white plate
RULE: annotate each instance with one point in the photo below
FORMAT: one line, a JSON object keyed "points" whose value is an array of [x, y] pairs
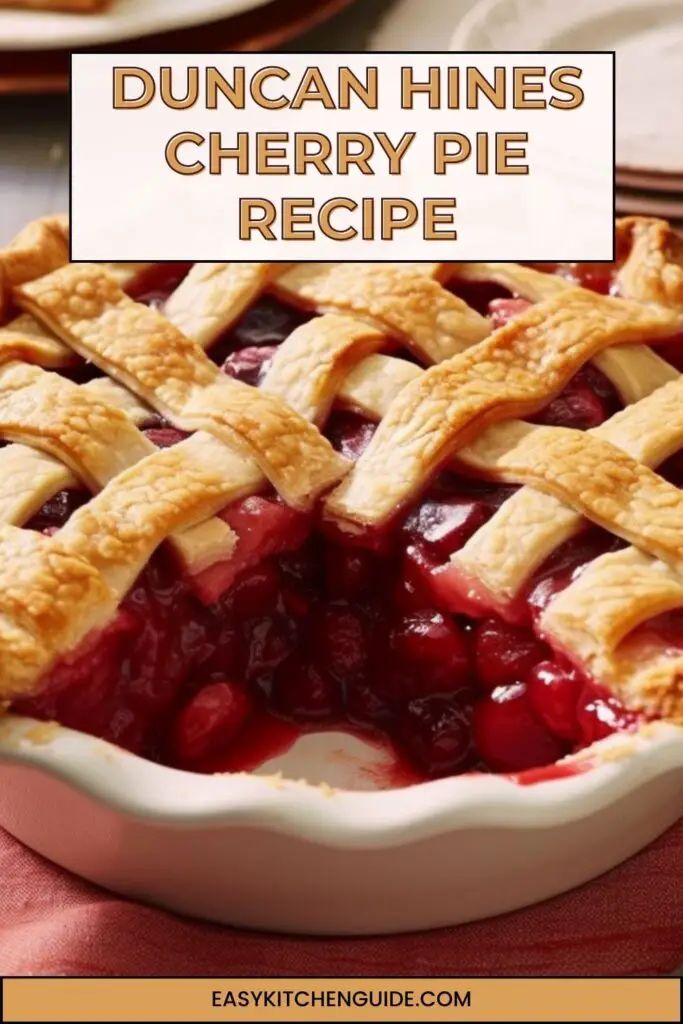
{"points": [[647, 38], [265, 852], [126, 19]]}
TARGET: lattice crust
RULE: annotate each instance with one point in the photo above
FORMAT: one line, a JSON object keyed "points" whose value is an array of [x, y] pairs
{"points": [[95, 439], [633, 369], [410, 307], [23, 338], [29, 479], [90, 564], [40, 586], [107, 542], [521, 281], [514, 372], [653, 269], [108, 390], [42, 246], [140, 348], [497, 561], [371, 386], [592, 618], [214, 295], [596, 478], [89, 429], [307, 370]]}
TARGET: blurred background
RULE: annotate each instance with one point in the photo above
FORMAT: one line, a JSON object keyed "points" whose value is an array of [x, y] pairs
{"points": [[35, 45]]}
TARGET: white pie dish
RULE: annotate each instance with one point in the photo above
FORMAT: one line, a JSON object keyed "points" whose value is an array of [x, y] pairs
{"points": [[266, 852]]}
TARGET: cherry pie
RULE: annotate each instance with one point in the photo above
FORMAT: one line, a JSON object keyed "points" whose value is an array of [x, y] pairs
{"points": [[235, 505]]}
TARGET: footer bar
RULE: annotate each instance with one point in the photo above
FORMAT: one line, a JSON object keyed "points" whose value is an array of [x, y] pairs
{"points": [[341, 999]]}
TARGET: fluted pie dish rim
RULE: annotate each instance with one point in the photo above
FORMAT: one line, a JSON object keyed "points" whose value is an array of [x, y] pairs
{"points": [[138, 788]]}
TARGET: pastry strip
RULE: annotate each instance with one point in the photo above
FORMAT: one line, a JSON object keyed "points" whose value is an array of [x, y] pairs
{"points": [[653, 269], [95, 439], [595, 478], [214, 295], [412, 308], [141, 349], [514, 372], [308, 368], [503, 554], [60, 588], [42, 246], [590, 621]]}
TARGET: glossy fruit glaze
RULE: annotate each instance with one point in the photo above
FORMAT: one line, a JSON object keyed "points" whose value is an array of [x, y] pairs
{"points": [[310, 632]]}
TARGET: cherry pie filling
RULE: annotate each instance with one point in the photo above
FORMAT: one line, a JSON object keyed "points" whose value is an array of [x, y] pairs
{"points": [[306, 628]]}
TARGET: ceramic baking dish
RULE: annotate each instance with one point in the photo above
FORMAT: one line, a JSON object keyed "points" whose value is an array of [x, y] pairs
{"points": [[267, 852]]}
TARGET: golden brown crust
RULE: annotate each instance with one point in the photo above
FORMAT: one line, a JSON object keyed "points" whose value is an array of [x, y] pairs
{"points": [[23, 338], [455, 408], [653, 269], [140, 348], [41, 586], [29, 479], [90, 431], [514, 372], [299, 462], [39, 248], [592, 618], [410, 307], [598, 480], [214, 295], [94, 439], [507, 550], [85, 307], [308, 368]]}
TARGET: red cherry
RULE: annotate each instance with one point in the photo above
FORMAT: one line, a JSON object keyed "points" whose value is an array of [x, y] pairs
{"points": [[349, 433], [165, 437], [445, 525], [586, 401], [509, 736], [304, 691], [437, 733], [209, 721], [340, 642], [505, 654], [365, 703], [554, 694], [600, 714], [413, 590], [270, 640], [434, 642], [264, 526], [256, 591], [249, 364], [349, 571]]}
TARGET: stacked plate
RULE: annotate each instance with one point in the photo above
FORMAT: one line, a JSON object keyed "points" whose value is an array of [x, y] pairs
{"points": [[650, 192], [648, 41]]}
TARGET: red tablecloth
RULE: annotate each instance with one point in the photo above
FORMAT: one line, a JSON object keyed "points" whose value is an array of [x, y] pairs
{"points": [[628, 922]]}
